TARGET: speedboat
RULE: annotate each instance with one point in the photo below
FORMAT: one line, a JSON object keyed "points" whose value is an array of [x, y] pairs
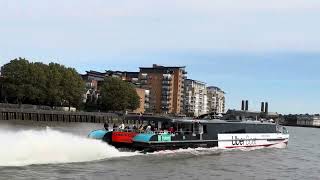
{"points": [[194, 133]]}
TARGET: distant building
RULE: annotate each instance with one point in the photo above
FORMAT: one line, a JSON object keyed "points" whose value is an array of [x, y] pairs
{"points": [[94, 80], [308, 120], [166, 85], [132, 77], [195, 98], [216, 100]]}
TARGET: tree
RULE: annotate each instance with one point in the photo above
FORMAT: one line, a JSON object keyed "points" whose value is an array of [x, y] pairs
{"points": [[41, 84], [118, 95], [37, 80], [54, 87], [134, 99], [16, 79], [73, 87]]}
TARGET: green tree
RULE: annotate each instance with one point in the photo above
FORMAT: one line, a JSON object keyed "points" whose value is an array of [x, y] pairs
{"points": [[16, 79], [134, 99], [118, 95], [73, 87], [54, 89], [37, 80], [38, 83]]}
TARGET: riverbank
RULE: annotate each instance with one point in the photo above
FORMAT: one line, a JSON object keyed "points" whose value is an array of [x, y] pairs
{"points": [[59, 116], [301, 126]]}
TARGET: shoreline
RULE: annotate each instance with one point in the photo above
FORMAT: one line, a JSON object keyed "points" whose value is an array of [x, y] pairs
{"points": [[301, 126]]}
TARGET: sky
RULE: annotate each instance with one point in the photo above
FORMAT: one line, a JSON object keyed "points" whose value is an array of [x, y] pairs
{"points": [[255, 50]]}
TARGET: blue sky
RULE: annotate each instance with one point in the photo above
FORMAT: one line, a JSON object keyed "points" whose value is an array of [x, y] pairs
{"points": [[256, 50]]}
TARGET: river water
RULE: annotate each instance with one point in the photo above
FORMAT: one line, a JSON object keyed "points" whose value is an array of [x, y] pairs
{"points": [[62, 151]]}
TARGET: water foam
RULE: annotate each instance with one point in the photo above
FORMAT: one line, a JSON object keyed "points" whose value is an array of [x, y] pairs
{"points": [[49, 146]]}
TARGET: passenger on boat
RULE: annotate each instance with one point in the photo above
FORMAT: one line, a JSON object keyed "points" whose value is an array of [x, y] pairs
{"points": [[106, 126], [141, 127], [115, 126], [134, 127], [122, 127], [171, 130], [130, 127], [148, 129]]}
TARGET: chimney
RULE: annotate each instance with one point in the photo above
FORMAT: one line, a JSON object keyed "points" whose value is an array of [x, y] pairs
{"points": [[262, 107], [242, 105], [247, 105], [266, 108]]}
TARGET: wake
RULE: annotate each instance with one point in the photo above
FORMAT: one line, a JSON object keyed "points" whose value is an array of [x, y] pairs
{"points": [[49, 146]]}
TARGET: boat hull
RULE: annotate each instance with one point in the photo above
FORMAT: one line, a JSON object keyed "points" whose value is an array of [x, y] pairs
{"points": [[224, 141], [119, 139], [232, 141]]}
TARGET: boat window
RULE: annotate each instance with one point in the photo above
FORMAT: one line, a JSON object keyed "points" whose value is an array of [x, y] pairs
{"points": [[205, 131], [195, 128], [185, 128]]}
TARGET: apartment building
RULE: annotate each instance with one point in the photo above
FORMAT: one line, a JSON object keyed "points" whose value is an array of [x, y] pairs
{"points": [[195, 98], [166, 85], [131, 77], [216, 100], [94, 79]]}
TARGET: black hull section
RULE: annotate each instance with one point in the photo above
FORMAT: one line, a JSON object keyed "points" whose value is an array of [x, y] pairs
{"points": [[152, 147]]}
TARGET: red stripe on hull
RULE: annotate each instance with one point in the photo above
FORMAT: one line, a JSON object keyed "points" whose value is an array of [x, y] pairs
{"points": [[123, 137], [263, 145]]}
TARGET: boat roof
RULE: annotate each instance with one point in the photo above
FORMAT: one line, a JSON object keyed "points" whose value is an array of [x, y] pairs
{"points": [[216, 121], [190, 120]]}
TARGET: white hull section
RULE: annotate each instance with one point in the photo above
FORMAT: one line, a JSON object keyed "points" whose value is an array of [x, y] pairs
{"points": [[231, 141]]}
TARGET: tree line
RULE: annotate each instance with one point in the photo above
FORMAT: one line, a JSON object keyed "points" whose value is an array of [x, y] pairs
{"points": [[24, 82]]}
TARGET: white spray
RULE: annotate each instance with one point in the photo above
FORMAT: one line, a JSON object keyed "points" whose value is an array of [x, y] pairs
{"points": [[49, 146]]}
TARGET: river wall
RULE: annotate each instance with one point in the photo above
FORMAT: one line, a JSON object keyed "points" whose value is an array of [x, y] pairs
{"points": [[60, 116]]}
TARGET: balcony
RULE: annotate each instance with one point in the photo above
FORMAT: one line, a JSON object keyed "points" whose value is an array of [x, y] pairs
{"points": [[167, 76], [166, 88], [164, 108], [144, 82], [166, 92], [167, 83], [166, 98], [165, 103], [144, 76]]}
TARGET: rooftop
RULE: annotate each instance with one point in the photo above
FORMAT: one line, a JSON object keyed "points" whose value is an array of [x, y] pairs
{"points": [[196, 81], [215, 88], [156, 66]]}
